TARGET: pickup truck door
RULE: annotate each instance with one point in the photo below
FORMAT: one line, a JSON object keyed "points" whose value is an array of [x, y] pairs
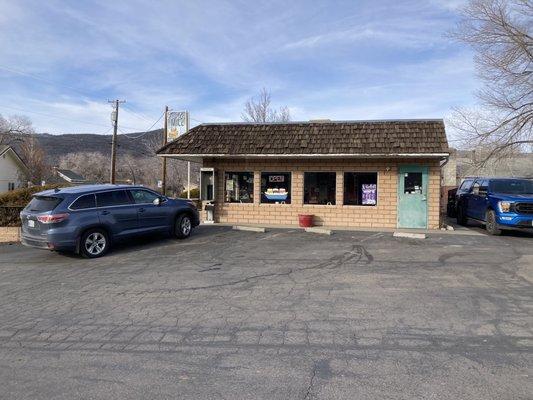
{"points": [[477, 202]]}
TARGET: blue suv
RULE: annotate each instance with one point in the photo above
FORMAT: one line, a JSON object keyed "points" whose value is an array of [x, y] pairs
{"points": [[501, 203], [88, 219]]}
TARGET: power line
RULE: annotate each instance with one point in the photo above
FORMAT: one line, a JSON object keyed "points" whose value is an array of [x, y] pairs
{"points": [[52, 116], [36, 77], [39, 78], [195, 120], [145, 131], [138, 115]]}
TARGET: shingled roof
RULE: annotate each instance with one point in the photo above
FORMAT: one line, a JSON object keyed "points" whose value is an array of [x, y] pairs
{"points": [[301, 139]]}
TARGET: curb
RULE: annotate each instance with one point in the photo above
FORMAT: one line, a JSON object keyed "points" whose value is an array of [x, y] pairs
{"points": [[249, 228], [320, 231], [409, 235]]}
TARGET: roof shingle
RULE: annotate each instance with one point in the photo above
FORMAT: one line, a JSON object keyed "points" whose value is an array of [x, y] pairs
{"points": [[309, 138]]}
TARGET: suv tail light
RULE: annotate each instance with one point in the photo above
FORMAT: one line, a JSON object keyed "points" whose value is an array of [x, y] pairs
{"points": [[52, 218]]}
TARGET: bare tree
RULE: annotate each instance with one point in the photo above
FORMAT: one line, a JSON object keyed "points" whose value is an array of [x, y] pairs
{"points": [[500, 33], [93, 166], [35, 159], [13, 129], [259, 110]]}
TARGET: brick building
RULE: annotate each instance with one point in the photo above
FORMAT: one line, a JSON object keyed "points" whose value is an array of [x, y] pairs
{"points": [[346, 173]]}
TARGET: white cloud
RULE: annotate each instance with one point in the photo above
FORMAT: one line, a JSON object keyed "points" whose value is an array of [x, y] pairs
{"points": [[210, 56]]}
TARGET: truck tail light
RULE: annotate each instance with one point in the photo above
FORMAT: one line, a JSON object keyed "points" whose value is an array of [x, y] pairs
{"points": [[52, 218]]}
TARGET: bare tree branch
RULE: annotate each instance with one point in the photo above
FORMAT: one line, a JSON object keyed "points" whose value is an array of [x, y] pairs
{"points": [[501, 34], [260, 110]]}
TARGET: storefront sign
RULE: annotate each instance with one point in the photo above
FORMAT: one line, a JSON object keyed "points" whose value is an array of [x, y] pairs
{"points": [[369, 193], [177, 124], [276, 178]]}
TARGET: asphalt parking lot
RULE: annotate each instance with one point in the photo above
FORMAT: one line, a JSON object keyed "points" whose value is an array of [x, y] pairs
{"points": [[277, 315]]}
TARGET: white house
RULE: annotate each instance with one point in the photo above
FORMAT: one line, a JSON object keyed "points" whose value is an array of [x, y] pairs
{"points": [[12, 169]]}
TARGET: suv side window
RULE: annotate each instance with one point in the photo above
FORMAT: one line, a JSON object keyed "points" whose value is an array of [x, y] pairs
{"points": [[112, 198], [83, 202], [141, 196]]}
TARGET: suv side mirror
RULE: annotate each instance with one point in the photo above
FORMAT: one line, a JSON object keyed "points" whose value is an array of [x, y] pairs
{"points": [[157, 201]]}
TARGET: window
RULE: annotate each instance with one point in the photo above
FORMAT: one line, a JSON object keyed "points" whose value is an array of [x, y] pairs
{"points": [[43, 203], [360, 188], [480, 187], [412, 183], [512, 186], [11, 186], [276, 187], [141, 196], [319, 187], [87, 201], [113, 198], [466, 184], [239, 187]]}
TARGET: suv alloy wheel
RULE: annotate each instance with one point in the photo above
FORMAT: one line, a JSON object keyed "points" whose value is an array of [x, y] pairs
{"points": [[182, 226], [94, 243]]}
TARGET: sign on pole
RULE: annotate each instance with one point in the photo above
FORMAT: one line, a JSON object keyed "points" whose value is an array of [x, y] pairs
{"points": [[178, 124]]}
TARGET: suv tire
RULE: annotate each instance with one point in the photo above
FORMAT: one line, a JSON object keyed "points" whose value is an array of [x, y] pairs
{"points": [[182, 226], [461, 217], [94, 243], [490, 223]]}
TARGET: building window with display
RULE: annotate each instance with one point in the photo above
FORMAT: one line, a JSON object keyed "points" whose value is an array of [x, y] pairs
{"points": [[239, 187], [319, 187], [360, 188], [276, 187]]}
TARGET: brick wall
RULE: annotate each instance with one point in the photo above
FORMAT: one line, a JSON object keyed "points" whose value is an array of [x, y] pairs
{"points": [[9, 234], [383, 215]]}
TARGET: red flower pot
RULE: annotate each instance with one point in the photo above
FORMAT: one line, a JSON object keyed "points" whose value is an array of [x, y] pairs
{"points": [[305, 220]]}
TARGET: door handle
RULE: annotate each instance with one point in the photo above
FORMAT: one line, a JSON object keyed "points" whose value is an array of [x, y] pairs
{"points": [[105, 212], [141, 210]]}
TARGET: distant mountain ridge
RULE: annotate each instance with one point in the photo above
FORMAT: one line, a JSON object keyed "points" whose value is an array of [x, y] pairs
{"points": [[56, 146]]}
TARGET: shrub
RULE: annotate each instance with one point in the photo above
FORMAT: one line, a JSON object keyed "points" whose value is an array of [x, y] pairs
{"points": [[21, 197], [195, 194]]}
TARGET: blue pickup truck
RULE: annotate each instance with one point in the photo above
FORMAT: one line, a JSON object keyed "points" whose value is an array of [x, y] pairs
{"points": [[500, 203]]}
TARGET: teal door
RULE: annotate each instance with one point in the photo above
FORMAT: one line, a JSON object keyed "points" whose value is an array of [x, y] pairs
{"points": [[412, 196]]}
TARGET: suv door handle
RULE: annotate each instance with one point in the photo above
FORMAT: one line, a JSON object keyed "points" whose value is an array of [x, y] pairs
{"points": [[141, 209], [105, 212]]}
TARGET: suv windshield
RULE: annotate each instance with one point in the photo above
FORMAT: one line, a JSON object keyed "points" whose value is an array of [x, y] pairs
{"points": [[512, 186], [43, 203]]}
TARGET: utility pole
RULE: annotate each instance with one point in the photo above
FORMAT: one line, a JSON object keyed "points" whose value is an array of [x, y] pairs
{"points": [[164, 180], [114, 119]]}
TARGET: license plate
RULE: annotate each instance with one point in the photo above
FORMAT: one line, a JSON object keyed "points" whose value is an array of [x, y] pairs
{"points": [[31, 223]]}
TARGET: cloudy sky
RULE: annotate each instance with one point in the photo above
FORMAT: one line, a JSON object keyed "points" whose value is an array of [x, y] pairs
{"points": [[60, 61]]}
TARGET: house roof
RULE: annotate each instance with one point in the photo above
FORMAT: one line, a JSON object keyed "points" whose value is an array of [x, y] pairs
{"points": [[5, 148], [313, 138], [71, 176]]}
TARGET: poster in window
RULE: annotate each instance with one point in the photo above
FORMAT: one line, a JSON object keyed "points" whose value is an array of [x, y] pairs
{"points": [[229, 185], [369, 194]]}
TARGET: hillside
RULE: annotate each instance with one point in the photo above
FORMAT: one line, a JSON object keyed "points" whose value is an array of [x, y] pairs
{"points": [[56, 146]]}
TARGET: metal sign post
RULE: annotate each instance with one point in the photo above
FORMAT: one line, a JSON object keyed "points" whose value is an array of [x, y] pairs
{"points": [[177, 123]]}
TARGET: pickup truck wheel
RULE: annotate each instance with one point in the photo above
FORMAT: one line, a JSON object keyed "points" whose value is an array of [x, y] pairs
{"points": [[182, 226], [491, 224], [461, 218]]}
